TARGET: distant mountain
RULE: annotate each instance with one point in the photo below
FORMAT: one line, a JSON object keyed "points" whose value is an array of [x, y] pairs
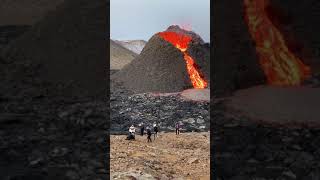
{"points": [[119, 56], [135, 46]]}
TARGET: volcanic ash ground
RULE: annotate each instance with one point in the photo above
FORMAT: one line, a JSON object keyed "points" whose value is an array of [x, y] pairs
{"points": [[184, 156]]}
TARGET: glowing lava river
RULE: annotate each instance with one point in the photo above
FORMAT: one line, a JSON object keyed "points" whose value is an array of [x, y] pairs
{"points": [[280, 66], [181, 42]]}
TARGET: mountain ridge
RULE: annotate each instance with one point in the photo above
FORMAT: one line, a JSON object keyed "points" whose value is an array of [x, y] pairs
{"points": [[135, 46], [119, 55]]}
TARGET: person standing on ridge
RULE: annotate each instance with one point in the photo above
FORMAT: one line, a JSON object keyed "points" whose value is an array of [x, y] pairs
{"points": [[141, 129], [155, 129], [177, 128], [149, 134]]}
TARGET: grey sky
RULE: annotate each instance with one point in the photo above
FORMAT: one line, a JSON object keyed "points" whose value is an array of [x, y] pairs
{"points": [[140, 19]]}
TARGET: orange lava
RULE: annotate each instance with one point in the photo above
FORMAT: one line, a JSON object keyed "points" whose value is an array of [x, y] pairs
{"points": [[280, 66], [181, 42]]}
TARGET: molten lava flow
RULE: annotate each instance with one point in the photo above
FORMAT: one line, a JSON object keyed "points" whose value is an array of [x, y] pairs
{"points": [[194, 75], [181, 42], [280, 66]]}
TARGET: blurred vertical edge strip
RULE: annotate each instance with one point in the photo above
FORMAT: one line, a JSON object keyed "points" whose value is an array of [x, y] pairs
{"points": [[212, 147], [107, 149]]}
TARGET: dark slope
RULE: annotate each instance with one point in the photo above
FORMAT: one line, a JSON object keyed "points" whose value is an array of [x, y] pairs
{"points": [[159, 68], [65, 50]]}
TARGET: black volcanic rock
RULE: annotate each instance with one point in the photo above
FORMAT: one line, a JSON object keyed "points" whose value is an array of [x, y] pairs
{"points": [[127, 109], [9, 33]]}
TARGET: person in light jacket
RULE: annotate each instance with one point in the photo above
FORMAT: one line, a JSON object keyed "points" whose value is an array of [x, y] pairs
{"points": [[132, 131]]}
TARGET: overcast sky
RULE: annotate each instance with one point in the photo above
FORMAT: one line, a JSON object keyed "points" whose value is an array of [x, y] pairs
{"points": [[140, 19]]}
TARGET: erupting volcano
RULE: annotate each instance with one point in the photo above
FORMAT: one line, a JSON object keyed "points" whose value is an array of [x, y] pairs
{"points": [[181, 42], [172, 61], [279, 64]]}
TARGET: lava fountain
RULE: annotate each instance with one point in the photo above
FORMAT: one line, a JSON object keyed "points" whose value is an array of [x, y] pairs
{"points": [[181, 42], [280, 66]]}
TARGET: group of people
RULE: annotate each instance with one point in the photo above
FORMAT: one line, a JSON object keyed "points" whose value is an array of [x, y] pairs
{"points": [[132, 131]]}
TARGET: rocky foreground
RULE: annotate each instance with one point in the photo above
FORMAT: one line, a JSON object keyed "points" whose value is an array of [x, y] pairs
{"points": [[170, 156], [47, 138], [128, 108], [40, 140]]}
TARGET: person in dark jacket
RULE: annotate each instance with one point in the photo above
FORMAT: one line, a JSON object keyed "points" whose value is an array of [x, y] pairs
{"points": [[141, 129], [156, 130], [149, 134], [177, 128]]}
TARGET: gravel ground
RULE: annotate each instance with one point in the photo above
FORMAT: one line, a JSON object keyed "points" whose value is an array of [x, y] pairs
{"points": [[169, 156]]}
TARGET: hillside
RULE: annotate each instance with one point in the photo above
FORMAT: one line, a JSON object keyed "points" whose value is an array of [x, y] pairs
{"points": [[61, 56], [119, 56]]}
